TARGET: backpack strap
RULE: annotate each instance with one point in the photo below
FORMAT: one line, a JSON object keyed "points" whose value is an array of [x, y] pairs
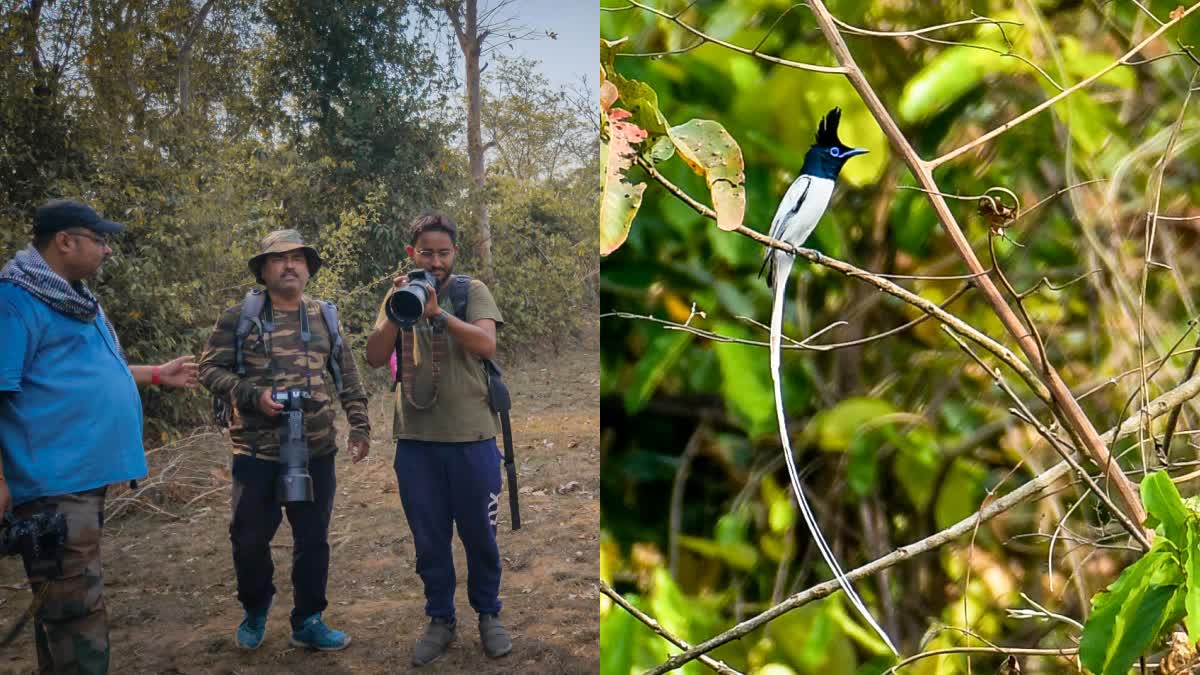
{"points": [[330, 314], [251, 308], [460, 291]]}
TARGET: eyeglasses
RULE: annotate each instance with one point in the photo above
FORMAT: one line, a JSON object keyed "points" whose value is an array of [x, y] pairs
{"points": [[443, 254], [102, 242]]}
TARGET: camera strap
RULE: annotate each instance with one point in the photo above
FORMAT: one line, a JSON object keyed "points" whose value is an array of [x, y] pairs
{"points": [[408, 365], [305, 337]]}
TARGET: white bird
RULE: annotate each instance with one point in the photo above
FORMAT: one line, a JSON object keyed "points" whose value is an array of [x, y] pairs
{"points": [[795, 219]]}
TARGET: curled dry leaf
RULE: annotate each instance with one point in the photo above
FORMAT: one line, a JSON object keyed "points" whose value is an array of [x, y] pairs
{"points": [[1181, 658]]}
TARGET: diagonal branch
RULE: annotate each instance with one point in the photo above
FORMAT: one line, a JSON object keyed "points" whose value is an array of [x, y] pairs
{"points": [[655, 626], [924, 304], [1043, 481], [1124, 60], [674, 18], [1066, 407]]}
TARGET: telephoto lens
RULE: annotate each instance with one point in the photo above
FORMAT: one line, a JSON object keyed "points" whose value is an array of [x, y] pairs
{"points": [[406, 305], [295, 483]]}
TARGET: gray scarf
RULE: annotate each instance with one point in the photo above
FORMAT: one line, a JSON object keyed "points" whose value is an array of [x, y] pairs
{"points": [[28, 269]]}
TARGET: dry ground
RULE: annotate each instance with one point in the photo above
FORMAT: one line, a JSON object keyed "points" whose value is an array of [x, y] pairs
{"points": [[169, 579]]}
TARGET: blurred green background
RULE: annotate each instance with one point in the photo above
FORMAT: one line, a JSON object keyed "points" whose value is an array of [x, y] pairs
{"points": [[898, 438]]}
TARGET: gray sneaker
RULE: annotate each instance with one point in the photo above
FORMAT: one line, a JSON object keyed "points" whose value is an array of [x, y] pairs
{"points": [[495, 639], [438, 636]]}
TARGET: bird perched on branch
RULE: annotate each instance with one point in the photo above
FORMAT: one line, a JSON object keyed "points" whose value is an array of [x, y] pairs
{"points": [[795, 219]]}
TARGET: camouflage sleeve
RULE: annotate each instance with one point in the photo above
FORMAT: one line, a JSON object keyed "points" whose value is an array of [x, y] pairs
{"points": [[354, 395], [217, 363]]}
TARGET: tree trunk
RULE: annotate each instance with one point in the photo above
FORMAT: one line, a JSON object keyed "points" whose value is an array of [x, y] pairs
{"points": [[470, 40], [184, 60]]}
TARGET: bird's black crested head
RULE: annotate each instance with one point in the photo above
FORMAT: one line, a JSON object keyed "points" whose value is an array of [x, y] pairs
{"points": [[827, 130], [828, 154]]}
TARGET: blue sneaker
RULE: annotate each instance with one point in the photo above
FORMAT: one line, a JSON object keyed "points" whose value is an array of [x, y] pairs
{"points": [[314, 634], [254, 626]]}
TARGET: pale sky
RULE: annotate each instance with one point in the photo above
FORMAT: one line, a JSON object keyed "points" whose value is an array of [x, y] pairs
{"points": [[576, 52]]}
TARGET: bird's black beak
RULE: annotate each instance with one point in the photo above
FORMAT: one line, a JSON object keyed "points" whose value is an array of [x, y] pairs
{"points": [[855, 151]]}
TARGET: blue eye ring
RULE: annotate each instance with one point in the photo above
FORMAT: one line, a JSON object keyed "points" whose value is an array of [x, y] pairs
{"points": [[835, 152]]}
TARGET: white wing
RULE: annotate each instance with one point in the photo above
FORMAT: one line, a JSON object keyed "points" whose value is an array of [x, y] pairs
{"points": [[791, 202]]}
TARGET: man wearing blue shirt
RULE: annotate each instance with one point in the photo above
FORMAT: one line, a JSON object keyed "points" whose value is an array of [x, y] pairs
{"points": [[70, 421]]}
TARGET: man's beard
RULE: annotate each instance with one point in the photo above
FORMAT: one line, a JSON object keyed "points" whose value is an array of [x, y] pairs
{"points": [[448, 271]]}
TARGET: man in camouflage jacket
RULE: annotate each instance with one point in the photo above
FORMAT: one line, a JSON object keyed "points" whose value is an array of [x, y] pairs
{"points": [[276, 359]]}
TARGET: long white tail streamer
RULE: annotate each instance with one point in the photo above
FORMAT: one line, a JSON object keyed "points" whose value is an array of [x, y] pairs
{"points": [[783, 269]]}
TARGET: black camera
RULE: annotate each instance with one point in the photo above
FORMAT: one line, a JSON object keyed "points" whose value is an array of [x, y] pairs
{"points": [[407, 304], [295, 483], [38, 537]]}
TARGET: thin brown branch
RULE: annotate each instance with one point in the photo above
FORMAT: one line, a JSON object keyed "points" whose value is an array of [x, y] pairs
{"points": [[1012, 651], [1064, 404], [662, 632], [961, 327], [1039, 484], [674, 18], [1064, 451], [934, 163]]}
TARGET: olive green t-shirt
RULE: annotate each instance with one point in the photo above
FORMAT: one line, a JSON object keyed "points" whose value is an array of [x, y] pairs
{"points": [[461, 412]]}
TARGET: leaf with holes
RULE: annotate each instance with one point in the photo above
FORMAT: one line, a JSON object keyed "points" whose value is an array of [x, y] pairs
{"points": [[620, 198], [711, 152]]}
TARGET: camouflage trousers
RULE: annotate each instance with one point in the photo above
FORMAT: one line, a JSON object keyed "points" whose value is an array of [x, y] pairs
{"points": [[70, 623]]}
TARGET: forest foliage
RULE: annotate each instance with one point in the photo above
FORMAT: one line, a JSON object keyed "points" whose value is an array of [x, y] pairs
{"points": [[1089, 209], [202, 125]]}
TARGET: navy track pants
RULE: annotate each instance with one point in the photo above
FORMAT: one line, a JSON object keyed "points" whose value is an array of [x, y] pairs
{"points": [[441, 485]]}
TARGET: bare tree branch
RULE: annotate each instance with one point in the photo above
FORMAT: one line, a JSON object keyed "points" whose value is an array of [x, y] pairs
{"points": [[1064, 404], [662, 632]]}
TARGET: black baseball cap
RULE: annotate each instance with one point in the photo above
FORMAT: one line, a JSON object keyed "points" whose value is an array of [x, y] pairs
{"points": [[60, 214]]}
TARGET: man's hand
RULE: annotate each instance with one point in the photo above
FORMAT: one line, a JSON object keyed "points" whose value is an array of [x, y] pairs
{"points": [[180, 372], [431, 304], [267, 405], [359, 449], [5, 497]]}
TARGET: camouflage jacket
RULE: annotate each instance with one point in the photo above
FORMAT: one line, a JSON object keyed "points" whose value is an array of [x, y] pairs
{"points": [[255, 433]]}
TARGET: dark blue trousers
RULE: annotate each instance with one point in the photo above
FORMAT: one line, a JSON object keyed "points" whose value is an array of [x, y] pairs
{"points": [[257, 515], [443, 484]]}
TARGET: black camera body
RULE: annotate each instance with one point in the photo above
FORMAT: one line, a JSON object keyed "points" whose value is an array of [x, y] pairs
{"points": [[295, 483], [407, 304], [38, 537]]}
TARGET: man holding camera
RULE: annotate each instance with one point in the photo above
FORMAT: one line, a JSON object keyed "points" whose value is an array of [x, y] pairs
{"points": [[70, 425], [277, 359], [447, 463]]}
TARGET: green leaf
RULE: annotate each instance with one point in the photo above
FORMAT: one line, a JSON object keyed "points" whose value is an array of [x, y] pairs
{"points": [[733, 527], [836, 427], [949, 76], [863, 471], [966, 494], [739, 555], [711, 152], [746, 380], [1163, 503], [1082, 64], [810, 637], [1138, 622], [641, 101], [1125, 617], [662, 355], [781, 516], [1192, 573], [616, 640]]}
